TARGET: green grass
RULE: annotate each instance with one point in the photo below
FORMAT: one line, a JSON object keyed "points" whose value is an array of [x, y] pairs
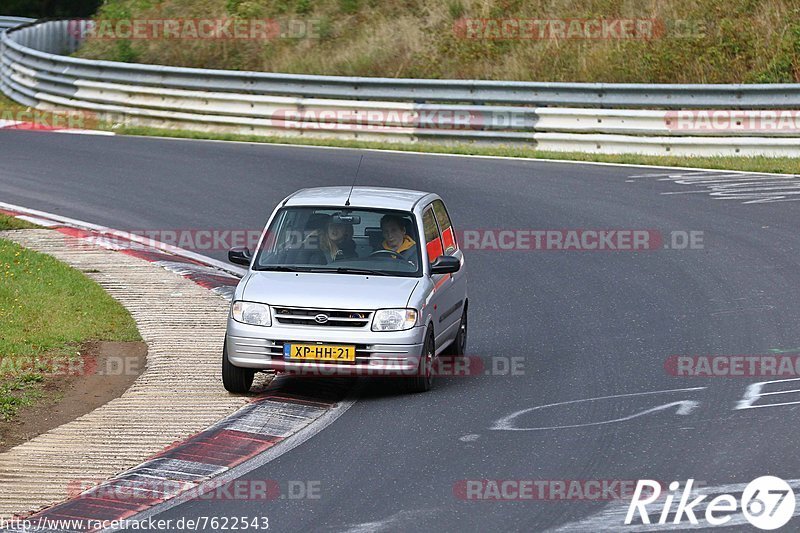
{"points": [[7, 223], [781, 165], [7, 105], [47, 309]]}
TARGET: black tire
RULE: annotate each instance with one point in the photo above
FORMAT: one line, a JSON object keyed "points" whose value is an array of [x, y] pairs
{"points": [[459, 346], [235, 379], [423, 380]]}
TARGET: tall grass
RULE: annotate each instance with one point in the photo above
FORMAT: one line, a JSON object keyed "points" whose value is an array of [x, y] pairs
{"points": [[704, 41]]}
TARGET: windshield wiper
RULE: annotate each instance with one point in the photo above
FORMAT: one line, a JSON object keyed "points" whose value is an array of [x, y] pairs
{"points": [[347, 270], [282, 268]]}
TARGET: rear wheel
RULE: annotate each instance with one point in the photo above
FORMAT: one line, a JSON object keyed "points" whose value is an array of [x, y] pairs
{"points": [[423, 380], [235, 379]]}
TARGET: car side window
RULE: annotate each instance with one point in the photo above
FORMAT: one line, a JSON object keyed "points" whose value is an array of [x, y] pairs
{"points": [[448, 233], [433, 241]]}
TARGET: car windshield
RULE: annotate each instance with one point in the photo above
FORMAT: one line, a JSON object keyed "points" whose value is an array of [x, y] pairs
{"points": [[341, 241]]}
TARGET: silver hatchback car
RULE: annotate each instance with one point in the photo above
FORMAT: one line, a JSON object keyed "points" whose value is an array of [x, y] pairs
{"points": [[349, 282]]}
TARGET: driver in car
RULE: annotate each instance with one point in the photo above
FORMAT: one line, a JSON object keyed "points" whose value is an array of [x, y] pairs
{"points": [[396, 239]]}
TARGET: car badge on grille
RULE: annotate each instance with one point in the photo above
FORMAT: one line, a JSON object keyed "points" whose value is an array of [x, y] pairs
{"points": [[321, 318]]}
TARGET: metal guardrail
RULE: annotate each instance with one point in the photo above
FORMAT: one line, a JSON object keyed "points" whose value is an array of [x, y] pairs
{"points": [[34, 71], [11, 22]]}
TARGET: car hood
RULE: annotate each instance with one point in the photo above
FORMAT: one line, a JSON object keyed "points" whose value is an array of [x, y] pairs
{"points": [[328, 291]]}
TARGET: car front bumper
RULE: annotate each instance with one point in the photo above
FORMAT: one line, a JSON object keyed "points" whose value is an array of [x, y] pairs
{"points": [[377, 353]]}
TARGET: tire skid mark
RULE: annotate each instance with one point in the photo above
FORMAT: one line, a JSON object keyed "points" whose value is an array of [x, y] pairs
{"points": [[748, 188]]}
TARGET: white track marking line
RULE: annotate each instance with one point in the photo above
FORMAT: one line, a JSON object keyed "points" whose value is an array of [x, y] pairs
{"points": [[132, 237], [685, 407]]}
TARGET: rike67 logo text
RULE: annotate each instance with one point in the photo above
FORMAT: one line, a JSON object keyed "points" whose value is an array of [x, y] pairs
{"points": [[767, 503]]}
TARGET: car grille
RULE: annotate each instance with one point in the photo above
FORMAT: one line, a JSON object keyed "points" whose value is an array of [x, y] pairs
{"points": [[300, 316], [274, 349]]}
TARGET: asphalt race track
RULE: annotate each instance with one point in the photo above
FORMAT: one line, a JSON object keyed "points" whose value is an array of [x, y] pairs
{"points": [[586, 324]]}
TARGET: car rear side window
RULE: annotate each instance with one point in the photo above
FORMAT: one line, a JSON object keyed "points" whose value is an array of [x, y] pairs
{"points": [[433, 241], [448, 233]]}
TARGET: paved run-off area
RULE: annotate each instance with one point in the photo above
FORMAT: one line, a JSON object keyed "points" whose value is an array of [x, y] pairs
{"points": [[179, 393]]}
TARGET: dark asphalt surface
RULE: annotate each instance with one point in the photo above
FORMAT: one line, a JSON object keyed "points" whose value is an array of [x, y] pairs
{"points": [[588, 324]]}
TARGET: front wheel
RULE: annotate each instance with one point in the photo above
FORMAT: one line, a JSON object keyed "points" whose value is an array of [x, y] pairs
{"points": [[235, 379], [423, 380], [459, 346]]}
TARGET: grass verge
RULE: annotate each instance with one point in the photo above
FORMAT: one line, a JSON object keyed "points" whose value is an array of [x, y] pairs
{"points": [[7, 222], [47, 309], [781, 165], [8, 106]]}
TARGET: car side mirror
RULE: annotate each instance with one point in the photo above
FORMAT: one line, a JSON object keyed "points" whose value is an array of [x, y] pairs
{"points": [[240, 256], [445, 264]]}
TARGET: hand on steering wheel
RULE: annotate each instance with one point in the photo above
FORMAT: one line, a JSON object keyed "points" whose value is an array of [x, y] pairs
{"points": [[386, 254]]}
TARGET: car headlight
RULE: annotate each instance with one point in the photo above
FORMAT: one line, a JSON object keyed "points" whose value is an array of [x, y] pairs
{"points": [[394, 319], [251, 313]]}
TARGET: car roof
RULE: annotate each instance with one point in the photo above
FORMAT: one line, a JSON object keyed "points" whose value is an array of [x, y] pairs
{"points": [[375, 197]]}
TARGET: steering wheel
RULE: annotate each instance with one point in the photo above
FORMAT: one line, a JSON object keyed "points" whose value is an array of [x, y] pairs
{"points": [[385, 254]]}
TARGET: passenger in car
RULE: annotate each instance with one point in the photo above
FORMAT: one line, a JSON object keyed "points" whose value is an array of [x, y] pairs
{"points": [[336, 241], [396, 238]]}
